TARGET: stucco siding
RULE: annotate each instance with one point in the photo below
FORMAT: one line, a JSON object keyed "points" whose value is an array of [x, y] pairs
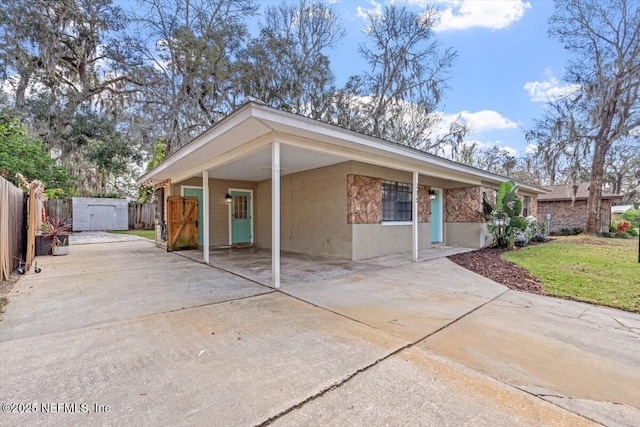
{"points": [[373, 240], [467, 235], [313, 212]]}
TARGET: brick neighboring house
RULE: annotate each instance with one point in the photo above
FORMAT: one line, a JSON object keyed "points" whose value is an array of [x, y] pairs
{"points": [[569, 212]]}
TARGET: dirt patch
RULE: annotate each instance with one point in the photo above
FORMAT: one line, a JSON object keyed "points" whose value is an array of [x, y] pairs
{"points": [[5, 288], [487, 262]]}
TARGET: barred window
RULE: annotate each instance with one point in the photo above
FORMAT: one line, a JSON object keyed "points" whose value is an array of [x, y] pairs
{"points": [[396, 201]]}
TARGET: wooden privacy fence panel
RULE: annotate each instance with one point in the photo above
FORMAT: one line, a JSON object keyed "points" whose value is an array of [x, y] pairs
{"points": [[59, 208], [182, 223], [142, 215], [12, 227]]}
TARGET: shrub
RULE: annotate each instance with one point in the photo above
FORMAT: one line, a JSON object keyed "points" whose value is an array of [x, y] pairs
{"points": [[571, 231], [520, 241], [538, 237], [631, 215], [623, 226]]}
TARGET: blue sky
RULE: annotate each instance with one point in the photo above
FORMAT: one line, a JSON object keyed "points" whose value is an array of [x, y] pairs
{"points": [[506, 67]]}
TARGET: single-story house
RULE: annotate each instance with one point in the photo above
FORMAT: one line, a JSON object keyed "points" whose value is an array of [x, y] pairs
{"points": [[282, 181], [566, 206]]}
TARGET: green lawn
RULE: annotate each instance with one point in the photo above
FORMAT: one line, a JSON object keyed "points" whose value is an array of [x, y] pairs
{"points": [[586, 268], [147, 234]]}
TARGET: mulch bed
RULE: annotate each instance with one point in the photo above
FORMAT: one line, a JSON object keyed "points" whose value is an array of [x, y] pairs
{"points": [[487, 262]]}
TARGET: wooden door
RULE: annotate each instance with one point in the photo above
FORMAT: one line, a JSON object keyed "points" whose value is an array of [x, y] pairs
{"points": [[197, 193], [182, 223]]}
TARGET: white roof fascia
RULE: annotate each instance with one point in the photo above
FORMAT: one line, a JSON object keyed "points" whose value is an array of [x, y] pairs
{"points": [[351, 138], [387, 153], [392, 162], [201, 140]]}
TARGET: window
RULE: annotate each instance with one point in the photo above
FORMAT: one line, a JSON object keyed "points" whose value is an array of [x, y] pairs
{"points": [[526, 202], [396, 201]]}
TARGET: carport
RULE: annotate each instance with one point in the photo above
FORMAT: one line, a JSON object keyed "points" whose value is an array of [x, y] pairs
{"points": [[300, 185]]}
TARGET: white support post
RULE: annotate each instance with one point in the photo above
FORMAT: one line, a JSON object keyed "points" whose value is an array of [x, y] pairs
{"points": [[275, 214], [205, 215], [414, 215]]}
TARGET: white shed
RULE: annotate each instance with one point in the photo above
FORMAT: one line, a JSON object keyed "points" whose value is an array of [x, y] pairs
{"points": [[94, 214]]}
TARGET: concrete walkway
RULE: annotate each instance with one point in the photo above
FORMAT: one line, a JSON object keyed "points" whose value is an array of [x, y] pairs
{"points": [[126, 334]]}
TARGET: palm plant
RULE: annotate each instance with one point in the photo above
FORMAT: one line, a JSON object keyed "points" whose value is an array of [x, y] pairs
{"points": [[56, 230]]}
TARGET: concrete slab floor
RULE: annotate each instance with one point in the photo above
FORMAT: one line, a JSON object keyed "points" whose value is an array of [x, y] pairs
{"points": [[415, 387], [255, 263], [235, 363], [579, 356], [118, 335], [410, 301], [102, 283]]}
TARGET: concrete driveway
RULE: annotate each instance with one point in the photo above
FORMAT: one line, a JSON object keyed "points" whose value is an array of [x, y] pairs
{"points": [[126, 334]]}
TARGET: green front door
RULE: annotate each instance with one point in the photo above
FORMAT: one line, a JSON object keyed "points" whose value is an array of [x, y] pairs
{"points": [[196, 192], [436, 218], [240, 217]]}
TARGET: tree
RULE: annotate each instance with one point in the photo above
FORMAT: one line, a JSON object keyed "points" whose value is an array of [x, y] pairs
{"points": [[408, 73], [622, 169], [21, 154], [604, 37], [189, 78], [493, 159], [61, 55], [287, 65], [66, 59]]}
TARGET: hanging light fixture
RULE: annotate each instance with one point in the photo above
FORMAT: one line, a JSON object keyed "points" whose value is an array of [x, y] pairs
{"points": [[432, 194], [228, 198]]}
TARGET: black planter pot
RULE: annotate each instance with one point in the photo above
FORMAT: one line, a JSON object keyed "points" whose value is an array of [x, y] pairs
{"points": [[43, 245]]}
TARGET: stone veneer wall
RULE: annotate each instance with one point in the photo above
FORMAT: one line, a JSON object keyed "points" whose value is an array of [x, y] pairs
{"points": [[424, 204], [465, 204], [364, 200]]}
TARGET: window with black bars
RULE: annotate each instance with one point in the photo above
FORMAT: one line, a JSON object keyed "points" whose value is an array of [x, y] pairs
{"points": [[396, 201]]}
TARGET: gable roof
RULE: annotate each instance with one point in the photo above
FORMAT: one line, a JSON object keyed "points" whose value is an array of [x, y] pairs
{"points": [[256, 122], [565, 192]]}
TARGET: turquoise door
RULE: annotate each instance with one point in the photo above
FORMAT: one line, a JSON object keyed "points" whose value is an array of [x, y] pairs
{"points": [[240, 217], [196, 192], [436, 218]]}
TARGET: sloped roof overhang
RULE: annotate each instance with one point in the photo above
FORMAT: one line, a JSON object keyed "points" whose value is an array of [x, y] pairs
{"points": [[253, 127]]}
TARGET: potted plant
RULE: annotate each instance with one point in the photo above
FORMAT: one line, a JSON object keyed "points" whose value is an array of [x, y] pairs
{"points": [[58, 232]]}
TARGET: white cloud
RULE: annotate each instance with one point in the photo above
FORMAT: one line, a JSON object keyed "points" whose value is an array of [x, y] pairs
{"points": [[376, 9], [483, 120], [549, 89], [531, 148], [464, 14], [484, 145]]}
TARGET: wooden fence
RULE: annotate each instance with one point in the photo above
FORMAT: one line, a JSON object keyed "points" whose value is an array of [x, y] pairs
{"points": [[59, 208], [142, 216], [12, 227]]}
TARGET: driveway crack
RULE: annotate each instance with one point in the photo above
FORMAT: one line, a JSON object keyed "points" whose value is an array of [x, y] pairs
{"points": [[349, 377]]}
